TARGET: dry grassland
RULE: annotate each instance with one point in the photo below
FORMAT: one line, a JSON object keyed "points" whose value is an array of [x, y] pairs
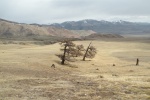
{"points": [[26, 73]]}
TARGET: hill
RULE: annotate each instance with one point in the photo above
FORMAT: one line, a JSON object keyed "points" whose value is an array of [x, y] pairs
{"points": [[13, 29], [83, 32]]}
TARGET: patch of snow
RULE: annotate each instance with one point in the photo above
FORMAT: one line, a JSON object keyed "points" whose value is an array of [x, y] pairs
{"points": [[85, 21]]}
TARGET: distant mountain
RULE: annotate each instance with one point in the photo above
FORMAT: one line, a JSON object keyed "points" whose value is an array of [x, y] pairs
{"points": [[118, 27]]}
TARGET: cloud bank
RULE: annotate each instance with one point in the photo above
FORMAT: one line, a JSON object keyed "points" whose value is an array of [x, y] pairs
{"points": [[50, 11]]}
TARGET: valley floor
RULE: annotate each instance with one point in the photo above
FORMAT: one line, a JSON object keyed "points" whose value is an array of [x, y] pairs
{"points": [[26, 73]]}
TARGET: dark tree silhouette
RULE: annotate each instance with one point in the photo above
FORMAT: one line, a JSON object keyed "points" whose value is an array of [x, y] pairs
{"points": [[90, 52], [68, 51], [137, 62]]}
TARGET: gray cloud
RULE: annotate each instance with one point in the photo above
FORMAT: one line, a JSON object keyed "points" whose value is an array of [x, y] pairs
{"points": [[49, 11]]}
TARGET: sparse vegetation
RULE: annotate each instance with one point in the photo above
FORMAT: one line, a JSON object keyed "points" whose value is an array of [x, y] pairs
{"points": [[72, 50]]}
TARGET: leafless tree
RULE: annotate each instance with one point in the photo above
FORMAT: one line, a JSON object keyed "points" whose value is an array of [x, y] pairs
{"points": [[90, 52]]}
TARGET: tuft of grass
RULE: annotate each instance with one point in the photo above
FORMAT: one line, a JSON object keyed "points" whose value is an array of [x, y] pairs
{"points": [[148, 98], [100, 76]]}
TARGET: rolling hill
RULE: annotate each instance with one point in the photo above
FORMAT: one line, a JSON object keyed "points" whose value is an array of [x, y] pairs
{"points": [[13, 29]]}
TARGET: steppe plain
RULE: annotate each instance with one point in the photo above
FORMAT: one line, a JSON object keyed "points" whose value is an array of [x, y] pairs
{"points": [[26, 73]]}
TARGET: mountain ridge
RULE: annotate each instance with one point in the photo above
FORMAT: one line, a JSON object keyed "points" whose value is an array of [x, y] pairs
{"points": [[115, 27], [73, 29]]}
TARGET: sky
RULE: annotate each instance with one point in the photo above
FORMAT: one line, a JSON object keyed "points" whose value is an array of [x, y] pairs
{"points": [[57, 11]]}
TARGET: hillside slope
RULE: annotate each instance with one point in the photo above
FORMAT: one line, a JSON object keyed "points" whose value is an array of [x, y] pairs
{"points": [[100, 36], [13, 29]]}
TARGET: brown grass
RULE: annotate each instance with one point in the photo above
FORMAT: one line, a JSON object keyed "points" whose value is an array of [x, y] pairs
{"points": [[26, 73]]}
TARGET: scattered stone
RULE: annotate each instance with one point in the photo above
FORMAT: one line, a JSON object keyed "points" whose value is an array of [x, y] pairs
{"points": [[78, 82], [97, 69], [114, 65], [100, 76], [131, 71], [127, 92], [114, 75], [53, 66]]}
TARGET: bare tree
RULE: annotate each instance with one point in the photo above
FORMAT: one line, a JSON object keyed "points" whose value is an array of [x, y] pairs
{"points": [[90, 52]]}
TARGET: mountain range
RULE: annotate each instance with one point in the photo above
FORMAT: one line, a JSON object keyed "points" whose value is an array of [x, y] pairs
{"points": [[73, 29], [106, 27]]}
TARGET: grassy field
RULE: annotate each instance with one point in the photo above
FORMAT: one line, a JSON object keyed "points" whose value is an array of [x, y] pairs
{"points": [[26, 73]]}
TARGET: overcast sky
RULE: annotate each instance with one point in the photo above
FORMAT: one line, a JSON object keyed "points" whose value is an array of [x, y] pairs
{"points": [[51, 11]]}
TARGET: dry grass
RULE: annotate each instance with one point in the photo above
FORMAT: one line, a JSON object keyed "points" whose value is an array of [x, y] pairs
{"points": [[26, 73]]}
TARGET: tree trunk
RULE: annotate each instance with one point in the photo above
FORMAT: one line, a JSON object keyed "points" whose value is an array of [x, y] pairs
{"points": [[137, 62], [86, 52], [63, 60], [64, 55]]}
